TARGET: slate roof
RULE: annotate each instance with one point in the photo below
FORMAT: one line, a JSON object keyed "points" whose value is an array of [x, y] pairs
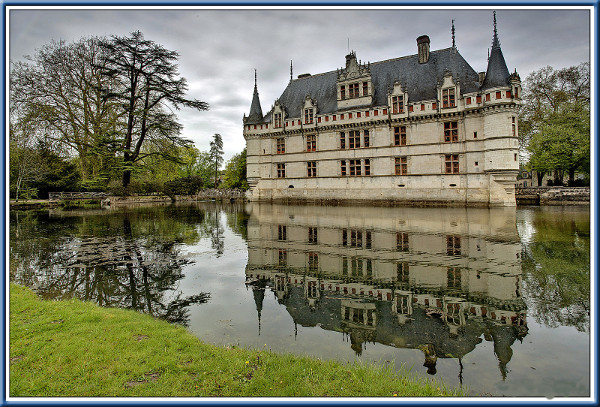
{"points": [[419, 80], [497, 73], [256, 114]]}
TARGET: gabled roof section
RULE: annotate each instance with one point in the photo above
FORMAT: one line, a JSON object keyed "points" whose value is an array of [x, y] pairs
{"points": [[497, 74], [420, 81]]}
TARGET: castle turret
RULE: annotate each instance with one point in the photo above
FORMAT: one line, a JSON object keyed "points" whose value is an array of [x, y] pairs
{"points": [[256, 114]]}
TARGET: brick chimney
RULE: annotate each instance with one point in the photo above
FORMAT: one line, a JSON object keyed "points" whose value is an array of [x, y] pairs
{"points": [[423, 47]]}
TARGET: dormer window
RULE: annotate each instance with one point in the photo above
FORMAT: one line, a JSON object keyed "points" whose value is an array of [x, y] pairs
{"points": [[448, 97], [397, 104], [308, 116], [353, 90], [277, 120], [365, 88]]}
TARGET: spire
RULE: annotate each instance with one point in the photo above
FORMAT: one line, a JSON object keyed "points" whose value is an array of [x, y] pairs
{"points": [[495, 42], [256, 114], [259, 295], [497, 73]]}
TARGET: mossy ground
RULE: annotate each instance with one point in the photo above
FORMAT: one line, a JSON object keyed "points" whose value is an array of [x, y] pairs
{"points": [[78, 349]]}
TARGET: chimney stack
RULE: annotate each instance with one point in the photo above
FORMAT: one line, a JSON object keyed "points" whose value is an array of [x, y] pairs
{"points": [[423, 47]]}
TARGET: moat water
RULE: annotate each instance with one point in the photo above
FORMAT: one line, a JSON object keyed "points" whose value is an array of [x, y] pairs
{"points": [[494, 300]]}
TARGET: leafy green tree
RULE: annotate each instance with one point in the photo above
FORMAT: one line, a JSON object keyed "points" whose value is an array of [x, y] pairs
{"points": [[216, 154], [57, 93], [145, 84], [554, 123], [235, 172], [562, 143]]}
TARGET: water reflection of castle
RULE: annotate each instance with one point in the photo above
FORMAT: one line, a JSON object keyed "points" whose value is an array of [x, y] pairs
{"points": [[430, 279]]}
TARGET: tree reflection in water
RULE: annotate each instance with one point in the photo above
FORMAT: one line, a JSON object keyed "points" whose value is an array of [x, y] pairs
{"points": [[128, 259]]}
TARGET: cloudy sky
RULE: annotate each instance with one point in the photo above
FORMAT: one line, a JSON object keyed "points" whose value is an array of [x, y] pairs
{"points": [[220, 48]]}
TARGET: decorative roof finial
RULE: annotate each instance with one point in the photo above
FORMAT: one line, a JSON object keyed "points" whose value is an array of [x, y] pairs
{"points": [[255, 81], [291, 71], [495, 42], [453, 38]]}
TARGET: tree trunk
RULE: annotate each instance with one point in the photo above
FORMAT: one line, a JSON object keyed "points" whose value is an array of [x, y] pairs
{"points": [[571, 176]]}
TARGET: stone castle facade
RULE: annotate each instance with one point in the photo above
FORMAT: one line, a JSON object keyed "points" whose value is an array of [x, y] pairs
{"points": [[419, 129]]}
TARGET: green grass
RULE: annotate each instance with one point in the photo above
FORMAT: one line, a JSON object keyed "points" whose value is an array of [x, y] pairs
{"points": [[73, 348]]}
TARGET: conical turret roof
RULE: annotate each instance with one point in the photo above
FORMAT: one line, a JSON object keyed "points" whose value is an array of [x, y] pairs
{"points": [[497, 74], [256, 113]]}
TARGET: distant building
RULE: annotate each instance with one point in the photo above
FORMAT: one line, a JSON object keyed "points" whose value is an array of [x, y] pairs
{"points": [[424, 128]]}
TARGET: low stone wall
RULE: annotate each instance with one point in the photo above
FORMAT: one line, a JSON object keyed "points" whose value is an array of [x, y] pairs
{"points": [[553, 196], [221, 194], [79, 196]]}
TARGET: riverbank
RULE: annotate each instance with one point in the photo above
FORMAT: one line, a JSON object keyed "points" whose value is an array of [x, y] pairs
{"points": [[78, 349]]}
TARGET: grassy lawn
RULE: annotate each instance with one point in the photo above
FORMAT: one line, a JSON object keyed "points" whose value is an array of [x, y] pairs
{"points": [[73, 348]]}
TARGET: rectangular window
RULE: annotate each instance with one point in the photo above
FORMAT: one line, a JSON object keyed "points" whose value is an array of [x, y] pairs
{"points": [[354, 139], [367, 114], [384, 111], [508, 94], [514, 127], [365, 88], [280, 145], [368, 239], [434, 106], [451, 132], [313, 262], [402, 270], [453, 245], [452, 164], [355, 169], [326, 118], [487, 97], [281, 232], [422, 106], [498, 95], [334, 117], [478, 99], [410, 108], [353, 90], [468, 101], [308, 116], [401, 165], [367, 166], [366, 138], [376, 112], [474, 134], [344, 237], [277, 120], [282, 258], [358, 114], [311, 167], [448, 98], [454, 277], [312, 235], [400, 136], [311, 143], [342, 93], [342, 140], [318, 120], [280, 170], [402, 241], [397, 104], [343, 168]]}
